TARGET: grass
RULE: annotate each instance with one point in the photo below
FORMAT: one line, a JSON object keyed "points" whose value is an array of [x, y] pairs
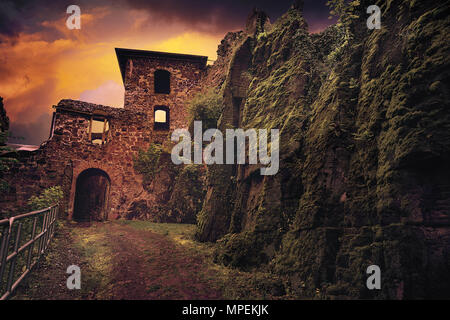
{"points": [[175, 229], [180, 233], [98, 257], [235, 284], [107, 252]]}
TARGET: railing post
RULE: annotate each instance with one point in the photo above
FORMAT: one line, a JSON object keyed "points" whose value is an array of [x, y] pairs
{"points": [[13, 261], [2, 239], [4, 251], [47, 224], [30, 250], [50, 230], [50, 226], [55, 215], [8, 279], [42, 235]]}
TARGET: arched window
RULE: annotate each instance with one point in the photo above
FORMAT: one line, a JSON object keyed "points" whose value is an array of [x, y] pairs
{"points": [[162, 81], [162, 119]]}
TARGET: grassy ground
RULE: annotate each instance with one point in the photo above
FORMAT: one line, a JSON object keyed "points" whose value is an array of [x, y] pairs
{"points": [[139, 260]]}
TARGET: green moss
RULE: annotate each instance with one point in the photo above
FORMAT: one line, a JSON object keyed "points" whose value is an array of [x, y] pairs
{"points": [[243, 250], [205, 107], [147, 162], [211, 227], [361, 114], [188, 194]]}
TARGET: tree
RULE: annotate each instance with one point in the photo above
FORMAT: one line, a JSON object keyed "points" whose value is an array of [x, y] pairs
{"points": [[344, 10], [6, 152]]}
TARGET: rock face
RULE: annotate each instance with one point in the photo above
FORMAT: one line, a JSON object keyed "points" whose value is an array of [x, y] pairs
{"points": [[364, 152], [186, 199], [216, 73]]}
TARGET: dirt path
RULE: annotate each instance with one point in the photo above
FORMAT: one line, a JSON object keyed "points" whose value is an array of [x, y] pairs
{"points": [[147, 265], [139, 260], [118, 261]]}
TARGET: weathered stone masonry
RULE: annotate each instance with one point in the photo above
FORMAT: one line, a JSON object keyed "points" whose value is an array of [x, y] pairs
{"points": [[70, 150]]}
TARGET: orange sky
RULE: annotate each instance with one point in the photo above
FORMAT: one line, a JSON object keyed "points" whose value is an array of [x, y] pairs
{"points": [[37, 72], [42, 64]]}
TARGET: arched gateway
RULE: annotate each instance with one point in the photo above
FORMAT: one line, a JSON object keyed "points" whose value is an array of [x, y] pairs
{"points": [[92, 196]]}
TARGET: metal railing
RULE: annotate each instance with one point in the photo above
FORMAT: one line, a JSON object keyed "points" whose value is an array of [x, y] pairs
{"points": [[18, 252]]}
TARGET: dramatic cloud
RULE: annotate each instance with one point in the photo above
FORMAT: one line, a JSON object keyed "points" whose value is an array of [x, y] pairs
{"points": [[213, 16], [109, 93], [219, 16], [31, 133], [42, 62]]}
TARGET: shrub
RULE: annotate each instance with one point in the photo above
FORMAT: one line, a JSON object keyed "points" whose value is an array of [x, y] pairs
{"points": [[346, 13], [47, 198], [205, 107], [147, 162], [5, 161], [188, 194]]}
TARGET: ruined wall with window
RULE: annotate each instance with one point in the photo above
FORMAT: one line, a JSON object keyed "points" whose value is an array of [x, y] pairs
{"points": [[94, 136], [160, 84], [92, 148]]}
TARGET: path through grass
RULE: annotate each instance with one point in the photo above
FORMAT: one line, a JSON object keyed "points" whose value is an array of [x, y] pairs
{"points": [[137, 260]]}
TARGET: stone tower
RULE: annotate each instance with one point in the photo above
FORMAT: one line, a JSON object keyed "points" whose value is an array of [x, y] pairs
{"points": [[159, 83]]}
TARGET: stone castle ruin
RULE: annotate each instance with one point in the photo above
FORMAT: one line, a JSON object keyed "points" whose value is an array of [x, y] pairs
{"points": [[364, 151], [91, 147]]}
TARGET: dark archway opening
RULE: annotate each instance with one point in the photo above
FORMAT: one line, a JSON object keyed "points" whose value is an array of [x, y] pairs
{"points": [[91, 196], [162, 81]]}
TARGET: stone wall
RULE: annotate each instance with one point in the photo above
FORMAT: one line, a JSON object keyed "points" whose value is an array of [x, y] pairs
{"points": [[139, 87], [69, 151]]}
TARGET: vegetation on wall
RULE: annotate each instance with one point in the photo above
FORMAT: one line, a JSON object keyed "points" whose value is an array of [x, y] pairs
{"points": [[147, 162], [344, 10], [5, 152], [188, 193], [365, 141], [47, 198], [205, 107], [5, 161], [346, 13]]}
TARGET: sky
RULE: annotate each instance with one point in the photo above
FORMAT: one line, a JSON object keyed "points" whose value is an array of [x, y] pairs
{"points": [[42, 61]]}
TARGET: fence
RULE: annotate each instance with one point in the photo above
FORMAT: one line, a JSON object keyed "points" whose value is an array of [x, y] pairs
{"points": [[18, 252]]}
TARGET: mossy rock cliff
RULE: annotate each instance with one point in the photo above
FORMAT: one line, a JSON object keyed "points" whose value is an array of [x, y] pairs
{"points": [[364, 178]]}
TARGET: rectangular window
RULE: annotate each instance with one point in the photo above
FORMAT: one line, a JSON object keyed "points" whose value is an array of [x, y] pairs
{"points": [[98, 130], [161, 118], [162, 81]]}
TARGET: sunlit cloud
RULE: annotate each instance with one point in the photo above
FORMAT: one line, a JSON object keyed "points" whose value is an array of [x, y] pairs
{"points": [[42, 61], [37, 72], [109, 93], [190, 43]]}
